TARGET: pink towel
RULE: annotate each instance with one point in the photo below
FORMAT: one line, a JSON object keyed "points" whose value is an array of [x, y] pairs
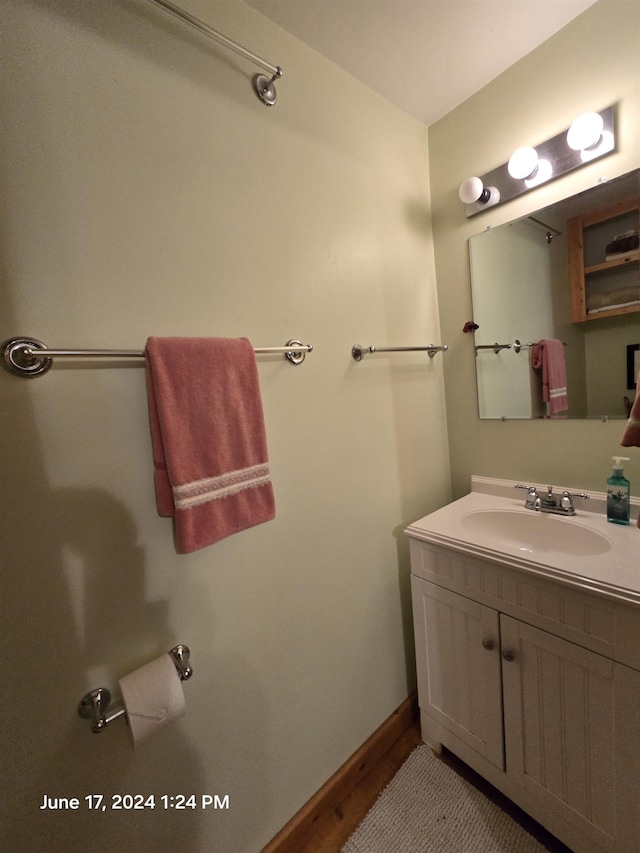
{"points": [[631, 434], [209, 444], [549, 355]]}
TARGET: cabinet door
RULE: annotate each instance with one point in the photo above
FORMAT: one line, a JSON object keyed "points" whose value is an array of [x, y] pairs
{"points": [[564, 742], [458, 663]]}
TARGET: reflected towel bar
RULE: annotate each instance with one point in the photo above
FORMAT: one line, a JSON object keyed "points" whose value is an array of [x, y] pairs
{"points": [[30, 357], [517, 346], [358, 351], [551, 232], [495, 347], [94, 705], [263, 86]]}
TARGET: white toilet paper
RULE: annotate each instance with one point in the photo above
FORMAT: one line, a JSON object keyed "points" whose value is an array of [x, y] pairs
{"points": [[152, 697]]}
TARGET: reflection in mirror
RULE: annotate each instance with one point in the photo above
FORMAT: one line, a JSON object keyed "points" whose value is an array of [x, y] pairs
{"points": [[556, 275]]}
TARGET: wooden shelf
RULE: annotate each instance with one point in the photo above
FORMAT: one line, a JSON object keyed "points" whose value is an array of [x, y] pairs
{"points": [[615, 312], [588, 280], [631, 257]]}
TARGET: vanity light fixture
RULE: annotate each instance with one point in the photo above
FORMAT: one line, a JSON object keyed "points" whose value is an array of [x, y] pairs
{"points": [[590, 136]]}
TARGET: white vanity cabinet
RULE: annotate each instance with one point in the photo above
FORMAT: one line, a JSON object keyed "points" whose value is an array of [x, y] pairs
{"points": [[536, 685]]}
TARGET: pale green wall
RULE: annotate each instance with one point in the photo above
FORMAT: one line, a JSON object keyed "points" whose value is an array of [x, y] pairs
{"points": [[591, 63], [145, 190]]}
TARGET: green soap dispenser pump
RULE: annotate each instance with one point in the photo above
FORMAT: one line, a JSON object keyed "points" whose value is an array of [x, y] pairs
{"points": [[618, 493]]}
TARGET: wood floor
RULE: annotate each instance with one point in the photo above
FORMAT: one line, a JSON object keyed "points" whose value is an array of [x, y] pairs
{"points": [[333, 832]]}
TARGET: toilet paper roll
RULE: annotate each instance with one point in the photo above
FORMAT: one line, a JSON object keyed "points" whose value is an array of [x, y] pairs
{"points": [[152, 697]]}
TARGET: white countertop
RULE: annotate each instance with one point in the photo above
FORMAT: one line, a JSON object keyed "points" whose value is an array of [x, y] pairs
{"points": [[615, 573]]}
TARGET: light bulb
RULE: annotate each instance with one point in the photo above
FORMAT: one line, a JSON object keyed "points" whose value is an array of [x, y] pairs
{"points": [[604, 145], [585, 132], [523, 163], [543, 172], [473, 190]]}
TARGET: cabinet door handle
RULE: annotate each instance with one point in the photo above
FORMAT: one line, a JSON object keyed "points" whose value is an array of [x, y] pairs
{"points": [[507, 654], [488, 645]]}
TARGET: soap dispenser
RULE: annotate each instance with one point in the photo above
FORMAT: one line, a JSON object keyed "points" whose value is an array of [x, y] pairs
{"points": [[618, 489]]}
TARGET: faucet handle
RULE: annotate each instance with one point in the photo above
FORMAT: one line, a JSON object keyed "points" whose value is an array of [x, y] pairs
{"points": [[533, 498], [566, 502], [582, 495], [567, 498]]}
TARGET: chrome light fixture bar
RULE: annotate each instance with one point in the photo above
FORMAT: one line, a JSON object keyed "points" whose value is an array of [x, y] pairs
{"points": [[591, 136]]}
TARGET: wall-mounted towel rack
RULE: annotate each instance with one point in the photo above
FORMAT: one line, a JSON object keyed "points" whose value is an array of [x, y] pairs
{"points": [[495, 347], [263, 86], [30, 357], [95, 704], [358, 351], [517, 346]]}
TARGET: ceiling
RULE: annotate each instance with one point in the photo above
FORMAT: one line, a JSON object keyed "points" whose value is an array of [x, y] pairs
{"points": [[424, 56]]}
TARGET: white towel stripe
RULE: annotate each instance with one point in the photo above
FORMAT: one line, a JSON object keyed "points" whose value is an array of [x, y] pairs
{"points": [[557, 392], [223, 486]]}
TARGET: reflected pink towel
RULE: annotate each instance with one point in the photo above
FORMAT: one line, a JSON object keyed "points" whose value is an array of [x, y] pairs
{"points": [[549, 355], [631, 434], [209, 444]]}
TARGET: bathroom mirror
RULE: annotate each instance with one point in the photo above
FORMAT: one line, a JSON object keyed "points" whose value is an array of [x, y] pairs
{"points": [[521, 294]]}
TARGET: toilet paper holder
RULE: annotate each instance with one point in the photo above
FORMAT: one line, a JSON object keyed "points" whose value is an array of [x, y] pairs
{"points": [[94, 705]]}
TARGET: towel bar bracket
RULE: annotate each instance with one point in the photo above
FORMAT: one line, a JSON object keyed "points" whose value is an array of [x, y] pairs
{"points": [[18, 358], [264, 88], [295, 355]]}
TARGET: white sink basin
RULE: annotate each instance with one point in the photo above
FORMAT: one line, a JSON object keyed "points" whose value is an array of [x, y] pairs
{"points": [[584, 550], [536, 532]]}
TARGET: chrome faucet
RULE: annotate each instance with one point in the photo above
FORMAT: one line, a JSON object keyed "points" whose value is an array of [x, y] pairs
{"points": [[551, 503]]}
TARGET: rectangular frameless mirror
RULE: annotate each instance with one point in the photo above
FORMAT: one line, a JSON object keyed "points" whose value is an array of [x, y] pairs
{"points": [[553, 274]]}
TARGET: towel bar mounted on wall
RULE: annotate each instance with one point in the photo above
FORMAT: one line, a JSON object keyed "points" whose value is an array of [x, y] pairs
{"points": [[95, 704], [358, 351], [29, 357], [263, 86], [495, 347]]}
